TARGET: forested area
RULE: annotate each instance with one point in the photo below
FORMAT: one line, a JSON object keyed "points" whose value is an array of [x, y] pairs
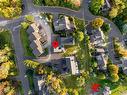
{"points": [[7, 65], [10, 8], [73, 4]]}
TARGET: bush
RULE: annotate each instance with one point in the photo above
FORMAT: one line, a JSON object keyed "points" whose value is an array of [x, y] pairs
{"points": [[114, 78], [95, 6], [97, 22], [106, 27], [101, 76]]}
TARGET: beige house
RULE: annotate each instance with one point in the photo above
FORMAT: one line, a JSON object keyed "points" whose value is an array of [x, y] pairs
{"points": [[36, 38], [62, 23]]}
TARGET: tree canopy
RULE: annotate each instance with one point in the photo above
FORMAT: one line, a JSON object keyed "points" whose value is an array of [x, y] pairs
{"points": [[31, 64], [10, 8], [95, 6], [97, 22], [113, 69], [114, 77]]}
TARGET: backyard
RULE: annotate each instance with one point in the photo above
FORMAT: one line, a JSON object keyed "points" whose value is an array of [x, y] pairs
{"points": [[5, 38], [25, 40]]}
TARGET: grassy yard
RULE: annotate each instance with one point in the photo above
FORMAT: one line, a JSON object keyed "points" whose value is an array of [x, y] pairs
{"points": [[119, 90], [5, 38], [21, 90], [29, 74], [71, 82], [25, 40]]}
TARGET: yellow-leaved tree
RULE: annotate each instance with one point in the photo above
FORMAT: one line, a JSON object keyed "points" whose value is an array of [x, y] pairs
{"points": [[97, 22]]}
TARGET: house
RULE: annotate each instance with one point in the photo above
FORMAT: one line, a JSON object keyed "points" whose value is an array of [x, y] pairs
{"points": [[37, 37], [97, 38], [124, 65], [107, 91], [35, 43], [32, 28], [67, 40], [102, 62], [97, 41], [100, 50], [63, 23], [65, 65], [39, 82], [74, 65], [59, 49], [106, 7], [34, 36], [60, 65], [63, 41]]}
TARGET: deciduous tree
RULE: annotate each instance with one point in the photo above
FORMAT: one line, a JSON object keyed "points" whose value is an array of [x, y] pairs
{"points": [[31, 64], [97, 22]]}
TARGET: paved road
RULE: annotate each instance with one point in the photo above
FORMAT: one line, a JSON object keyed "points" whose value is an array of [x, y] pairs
{"points": [[20, 57], [83, 13], [115, 32]]}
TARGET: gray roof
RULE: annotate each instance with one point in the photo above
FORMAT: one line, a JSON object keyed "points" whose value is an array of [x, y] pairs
{"points": [[35, 43], [67, 41], [34, 36], [38, 51], [37, 47], [96, 38], [62, 23], [102, 62], [32, 28], [37, 38], [39, 83], [124, 65]]}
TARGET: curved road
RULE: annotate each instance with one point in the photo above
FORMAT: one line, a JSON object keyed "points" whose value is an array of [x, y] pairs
{"points": [[83, 13]]}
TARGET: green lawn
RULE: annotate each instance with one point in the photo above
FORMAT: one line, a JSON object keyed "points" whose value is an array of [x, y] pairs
{"points": [[25, 41], [5, 38], [29, 74], [119, 90], [20, 88], [70, 81]]}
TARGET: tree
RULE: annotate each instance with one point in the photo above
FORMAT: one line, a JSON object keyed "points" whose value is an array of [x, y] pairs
{"points": [[113, 12], [31, 64], [80, 36], [106, 27], [25, 25], [7, 88], [71, 50], [10, 8], [113, 69], [29, 18], [80, 81], [5, 69], [64, 91], [101, 76], [75, 92], [114, 78], [97, 22], [95, 6]]}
